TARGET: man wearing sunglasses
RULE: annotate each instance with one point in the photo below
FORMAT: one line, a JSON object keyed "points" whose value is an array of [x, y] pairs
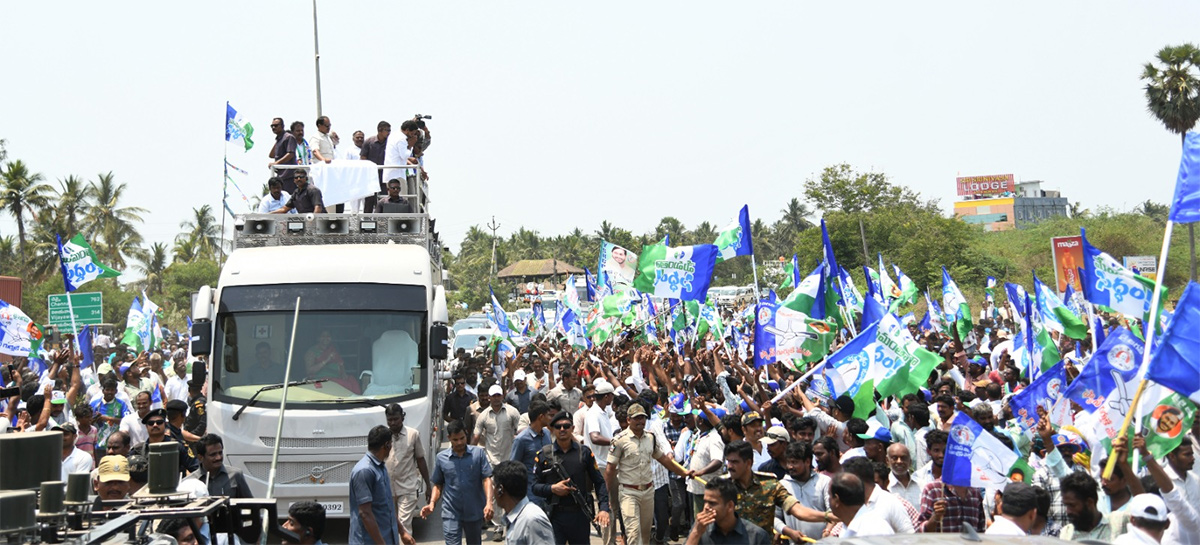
{"points": [[284, 153], [567, 517], [393, 196], [156, 426]]}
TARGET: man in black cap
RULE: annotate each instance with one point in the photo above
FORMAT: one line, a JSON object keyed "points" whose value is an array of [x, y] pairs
{"points": [[156, 425], [176, 417], [1018, 510], [567, 517], [196, 422]]}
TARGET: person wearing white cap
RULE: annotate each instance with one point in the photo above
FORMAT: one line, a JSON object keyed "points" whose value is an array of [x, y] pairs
{"points": [[495, 430], [1184, 516], [521, 394], [1148, 521], [598, 434]]}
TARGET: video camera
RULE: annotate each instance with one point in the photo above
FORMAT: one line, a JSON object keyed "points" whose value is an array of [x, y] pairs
{"points": [[420, 119]]}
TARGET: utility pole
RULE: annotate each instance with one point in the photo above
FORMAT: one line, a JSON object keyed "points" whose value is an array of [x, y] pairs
{"points": [[863, 233], [494, 227], [317, 58]]}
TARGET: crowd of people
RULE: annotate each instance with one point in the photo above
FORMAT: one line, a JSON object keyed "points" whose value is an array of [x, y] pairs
{"points": [[289, 190], [647, 443]]}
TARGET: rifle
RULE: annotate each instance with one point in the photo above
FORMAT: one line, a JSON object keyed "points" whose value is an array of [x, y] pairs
{"points": [[580, 499]]}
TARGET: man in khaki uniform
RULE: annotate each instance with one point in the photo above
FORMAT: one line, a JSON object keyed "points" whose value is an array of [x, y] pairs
{"points": [[495, 430], [406, 467], [629, 472]]}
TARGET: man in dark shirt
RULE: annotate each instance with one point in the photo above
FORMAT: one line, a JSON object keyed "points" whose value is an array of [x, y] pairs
{"points": [[222, 481], [306, 199], [284, 153], [374, 149], [719, 522], [393, 195], [458, 405], [570, 524]]}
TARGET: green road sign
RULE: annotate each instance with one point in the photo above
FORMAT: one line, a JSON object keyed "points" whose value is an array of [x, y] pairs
{"points": [[88, 307]]}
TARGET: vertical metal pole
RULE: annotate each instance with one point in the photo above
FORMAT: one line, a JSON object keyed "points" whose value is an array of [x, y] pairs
{"points": [[863, 233], [224, 195], [754, 268], [287, 377], [317, 58]]}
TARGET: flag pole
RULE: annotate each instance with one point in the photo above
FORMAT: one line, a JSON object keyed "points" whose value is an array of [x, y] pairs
{"points": [[224, 190], [754, 267], [1151, 322], [68, 290]]}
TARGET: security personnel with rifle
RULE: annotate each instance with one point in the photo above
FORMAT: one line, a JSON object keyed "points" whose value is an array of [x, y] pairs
{"points": [[565, 472]]}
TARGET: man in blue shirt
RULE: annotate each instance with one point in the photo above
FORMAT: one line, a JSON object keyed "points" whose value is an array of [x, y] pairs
{"points": [[530, 442], [372, 511], [463, 474]]}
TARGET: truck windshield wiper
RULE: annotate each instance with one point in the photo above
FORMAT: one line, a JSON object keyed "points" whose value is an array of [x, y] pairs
{"points": [[254, 397], [365, 400]]}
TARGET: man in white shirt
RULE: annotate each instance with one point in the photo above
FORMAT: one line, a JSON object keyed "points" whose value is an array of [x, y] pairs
{"points": [[598, 436], [879, 503], [901, 481], [809, 488], [73, 459], [177, 387], [322, 144], [1018, 511], [132, 424], [1179, 464], [847, 498], [275, 198]]}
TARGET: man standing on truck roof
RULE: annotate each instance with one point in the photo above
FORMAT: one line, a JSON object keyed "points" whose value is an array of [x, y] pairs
{"points": [[284, 153]]}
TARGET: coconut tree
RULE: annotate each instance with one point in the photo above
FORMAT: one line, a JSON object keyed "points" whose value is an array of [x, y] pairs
{"points": [[204, 232], [72, 203], [184, 251], [22, 193], [1173, 97], [114, 233], [151, 265]]}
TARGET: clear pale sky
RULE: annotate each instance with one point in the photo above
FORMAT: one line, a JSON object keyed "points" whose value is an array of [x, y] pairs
{"points": [[554, 115]]}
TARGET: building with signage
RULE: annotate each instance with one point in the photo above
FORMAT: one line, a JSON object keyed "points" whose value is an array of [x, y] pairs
{"points": [[998, 202]]}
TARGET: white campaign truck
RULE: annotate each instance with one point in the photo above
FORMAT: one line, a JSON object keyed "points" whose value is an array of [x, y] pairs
{"points": [[371, 331]]}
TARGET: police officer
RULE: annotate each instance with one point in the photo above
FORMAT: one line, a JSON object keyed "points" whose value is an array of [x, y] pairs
{"points": [[759, 494], [156, 426], [567, 517], [629, 471]]}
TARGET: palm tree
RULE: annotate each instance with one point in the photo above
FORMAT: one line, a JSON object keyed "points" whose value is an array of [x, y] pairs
{"points": [[1156, 211], [22, 192], [72, 203], [704, 233], [115, 236], [184, 251], [1173, 97], [796, 214], [152, 265], [204, 232]]}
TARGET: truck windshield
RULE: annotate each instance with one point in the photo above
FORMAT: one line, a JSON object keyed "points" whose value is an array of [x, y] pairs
{"points": [[362, 354]]}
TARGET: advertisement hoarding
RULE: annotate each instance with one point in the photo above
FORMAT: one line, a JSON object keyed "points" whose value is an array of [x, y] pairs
{"points": [[1145, 265], [1068, 257], [992, 184]]}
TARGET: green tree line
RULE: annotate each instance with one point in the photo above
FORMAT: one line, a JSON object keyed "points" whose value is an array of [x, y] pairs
{"points": [[859, 208], [95, 208]]}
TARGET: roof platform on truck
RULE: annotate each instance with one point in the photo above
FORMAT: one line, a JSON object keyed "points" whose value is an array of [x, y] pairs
{"points": [[262, 230]]}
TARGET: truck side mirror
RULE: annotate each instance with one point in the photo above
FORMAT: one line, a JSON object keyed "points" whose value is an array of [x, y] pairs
{"points": [[202, 331], [439, 342]]}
